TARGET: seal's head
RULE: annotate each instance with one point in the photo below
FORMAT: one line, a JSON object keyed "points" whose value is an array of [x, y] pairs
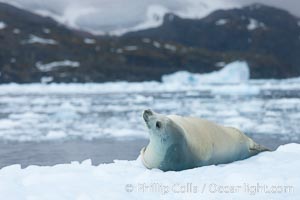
{"points": [[160, 126], [166, 142]]}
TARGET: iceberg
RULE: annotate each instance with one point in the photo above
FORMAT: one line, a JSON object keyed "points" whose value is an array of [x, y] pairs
{"points": [[271, 175], [235, 72]]}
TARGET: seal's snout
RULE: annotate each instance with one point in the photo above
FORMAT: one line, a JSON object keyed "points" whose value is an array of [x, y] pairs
{"points": [[147, 114]]}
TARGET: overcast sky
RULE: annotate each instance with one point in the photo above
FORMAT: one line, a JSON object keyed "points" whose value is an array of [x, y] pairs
{"points": [[291, 5], [110, 15]]}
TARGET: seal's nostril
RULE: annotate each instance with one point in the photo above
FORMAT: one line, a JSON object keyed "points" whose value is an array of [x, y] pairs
{"points": [[146, 114]]}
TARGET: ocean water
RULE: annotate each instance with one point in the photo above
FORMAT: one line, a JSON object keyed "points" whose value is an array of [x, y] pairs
{"points": [[47, 124], [58, 123]]}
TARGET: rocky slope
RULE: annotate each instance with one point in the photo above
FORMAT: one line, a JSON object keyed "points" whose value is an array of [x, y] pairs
{"points": [[34, 47]]}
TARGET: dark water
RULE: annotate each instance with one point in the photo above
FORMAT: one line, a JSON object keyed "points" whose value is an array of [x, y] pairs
{"points": [[57, 152], [51, 128], [49, 153]]}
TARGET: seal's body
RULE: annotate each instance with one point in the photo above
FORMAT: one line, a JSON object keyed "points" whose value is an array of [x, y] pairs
{"points": [[178, 143]]}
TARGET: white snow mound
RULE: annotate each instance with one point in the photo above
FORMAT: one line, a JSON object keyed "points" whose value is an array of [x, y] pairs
{"points": [[271, 175]]}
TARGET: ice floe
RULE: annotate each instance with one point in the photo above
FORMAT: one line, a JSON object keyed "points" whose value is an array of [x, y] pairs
{"points": [[269, 175], [53, 65], [113, 109]]}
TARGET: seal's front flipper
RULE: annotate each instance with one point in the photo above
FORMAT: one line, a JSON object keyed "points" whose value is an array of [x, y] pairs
{"points": [[257, 148]]}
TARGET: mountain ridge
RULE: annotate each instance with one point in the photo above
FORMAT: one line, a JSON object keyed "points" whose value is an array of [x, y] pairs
{"points": [[270, 45]]}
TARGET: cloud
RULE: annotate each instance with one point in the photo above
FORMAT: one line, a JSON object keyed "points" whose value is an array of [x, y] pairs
{"points": [[119, 16], [290, 5]]}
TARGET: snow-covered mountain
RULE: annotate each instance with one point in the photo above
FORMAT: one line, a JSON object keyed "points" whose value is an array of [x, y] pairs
{"points": [[35, 48], [117, 16], [104, 16]]}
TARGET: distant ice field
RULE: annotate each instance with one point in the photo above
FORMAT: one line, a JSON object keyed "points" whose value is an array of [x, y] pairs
{"points": [[39, 112]]}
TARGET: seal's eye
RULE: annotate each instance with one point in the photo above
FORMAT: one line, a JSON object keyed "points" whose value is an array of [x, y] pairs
{"points": [[158, 124]]}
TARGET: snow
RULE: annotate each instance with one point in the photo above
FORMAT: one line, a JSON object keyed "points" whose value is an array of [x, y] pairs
{"points": [[221, 22], [254, 24], [2, 25], [170, 47], [53, 65], [46, 30], [156, 44], [220, 64], [7, 124], [146, 40], [13, 60], [46, 79], [271, 175], [119, 50], [89, 41], [53, 135], [16, 31], [35, 39], [130, 48]]}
